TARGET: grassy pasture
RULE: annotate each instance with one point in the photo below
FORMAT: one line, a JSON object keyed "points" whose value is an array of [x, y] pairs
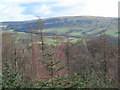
{"points": [[60, 31]]}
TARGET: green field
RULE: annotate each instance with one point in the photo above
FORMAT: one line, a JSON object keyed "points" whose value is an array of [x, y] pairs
{"points": [[60, 31]]}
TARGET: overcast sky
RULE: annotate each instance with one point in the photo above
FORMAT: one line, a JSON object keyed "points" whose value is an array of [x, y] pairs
{"points": [[19, 10]]}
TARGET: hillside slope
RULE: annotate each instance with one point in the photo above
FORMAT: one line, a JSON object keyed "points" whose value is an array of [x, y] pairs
{"points": [[74, 25]]}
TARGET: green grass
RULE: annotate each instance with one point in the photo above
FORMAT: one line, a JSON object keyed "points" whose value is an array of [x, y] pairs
{"points": [[23, 35], [57, 30], [63, 30], [8, 31], [112, 32], [74, 39], [50, 42], [74, 34], [95, 31]]}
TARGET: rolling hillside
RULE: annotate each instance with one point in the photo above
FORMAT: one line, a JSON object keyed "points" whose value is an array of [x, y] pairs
{"points": [[76, 26]]}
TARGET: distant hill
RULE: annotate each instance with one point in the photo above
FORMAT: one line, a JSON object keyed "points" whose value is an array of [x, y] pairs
{"points": [[75, 25], [60, 22]]}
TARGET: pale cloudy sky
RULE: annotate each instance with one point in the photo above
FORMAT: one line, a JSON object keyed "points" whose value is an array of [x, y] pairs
{"points": [[20, 10]]}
